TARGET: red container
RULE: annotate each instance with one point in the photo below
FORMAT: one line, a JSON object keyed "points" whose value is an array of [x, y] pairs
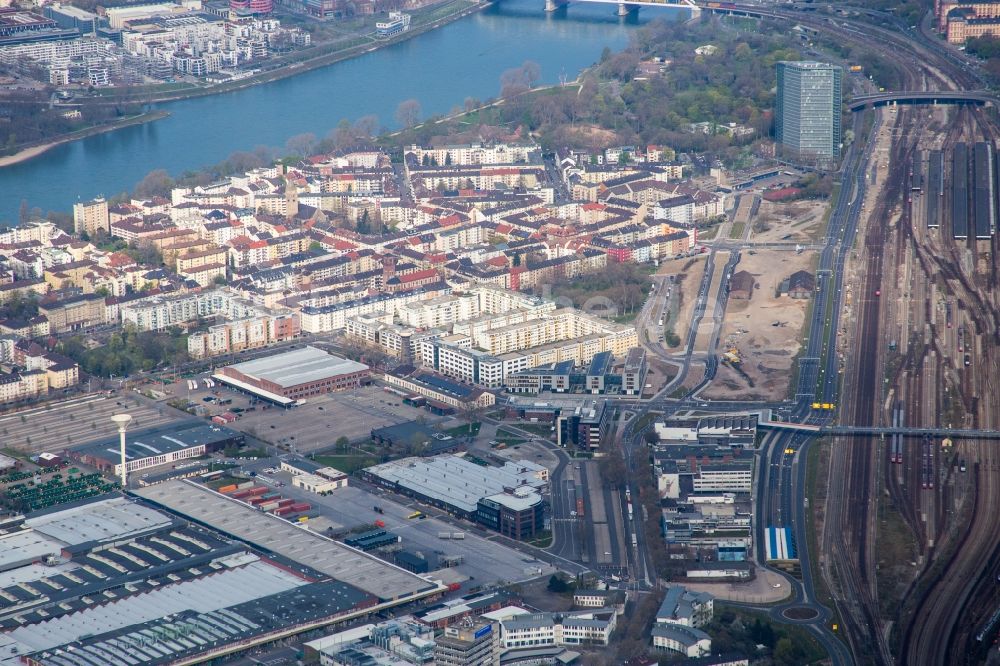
{"points": [[301, 506]]}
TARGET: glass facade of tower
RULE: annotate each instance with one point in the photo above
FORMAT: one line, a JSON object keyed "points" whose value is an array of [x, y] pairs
{"points": [[807, 117]]}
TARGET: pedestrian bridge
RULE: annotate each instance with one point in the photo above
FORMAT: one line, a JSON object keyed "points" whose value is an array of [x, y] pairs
{"points": [[978, 97]]}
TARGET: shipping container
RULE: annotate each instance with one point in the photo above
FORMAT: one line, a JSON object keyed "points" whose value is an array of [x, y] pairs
{"points": [[258, 491], [288, 501], [228, 489], [257, 501], [245, 484], [241, 494], [268, 506], [302, 506], [284, 511], [444, 535], [458, 535]]}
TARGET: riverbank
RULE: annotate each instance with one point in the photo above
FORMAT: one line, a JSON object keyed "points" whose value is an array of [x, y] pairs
{"points": [[292, 68], [33, 151]]}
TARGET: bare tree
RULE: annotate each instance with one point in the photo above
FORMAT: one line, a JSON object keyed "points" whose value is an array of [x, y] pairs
{"points": [[408, 113], [366, 126], [156, 183], [301, 144], [532, 72]]}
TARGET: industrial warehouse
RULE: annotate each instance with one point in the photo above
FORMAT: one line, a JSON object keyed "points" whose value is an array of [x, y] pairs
{"points": [[302, 373], [507, 499], [156, 446], [114, 581]]}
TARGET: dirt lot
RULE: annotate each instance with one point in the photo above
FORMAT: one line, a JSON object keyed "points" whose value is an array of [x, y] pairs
{"points": [[687, 277], [794, 222], [766, 350]]}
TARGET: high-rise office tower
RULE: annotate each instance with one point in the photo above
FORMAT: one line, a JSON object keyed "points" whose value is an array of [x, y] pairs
{"points": [[807, 113]]}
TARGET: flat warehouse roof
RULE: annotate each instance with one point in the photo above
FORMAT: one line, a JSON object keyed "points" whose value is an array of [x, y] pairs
{"points": [[300, 366], [157, 441], [454, 480], [381, 579], [250, 388], [104, 520]]}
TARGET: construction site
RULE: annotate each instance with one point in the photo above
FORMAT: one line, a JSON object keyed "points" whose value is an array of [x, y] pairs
{"points": [[762, 333]]}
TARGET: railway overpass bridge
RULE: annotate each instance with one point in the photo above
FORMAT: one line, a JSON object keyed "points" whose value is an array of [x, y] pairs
{"points": [[846, 431], [978, 97]]}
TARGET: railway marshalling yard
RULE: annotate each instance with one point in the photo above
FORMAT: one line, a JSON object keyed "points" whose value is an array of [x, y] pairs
{"points": [[909, 535]]}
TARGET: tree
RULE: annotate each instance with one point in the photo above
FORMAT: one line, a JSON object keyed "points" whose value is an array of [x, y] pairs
{"points": [[365, 127], [156, 183], [61, 219], [408, 113], [342, 443], [364, 223], [532, 72], [558, 585], [301, 145], [650, 437], [613, 469], [786, 653]]}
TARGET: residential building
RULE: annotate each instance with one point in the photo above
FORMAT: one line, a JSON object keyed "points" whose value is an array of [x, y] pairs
{"points": [[807, 117], [74, 313], [241, 334], [687, 641], [89, 217], [687, 608], [547, 629]]}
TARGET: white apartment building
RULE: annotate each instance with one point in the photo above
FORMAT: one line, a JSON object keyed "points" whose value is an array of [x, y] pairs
{"points": [[334, 316], [440, 311], [156, 313], [464, 155], [687, 641], [558, 325], [548, 629]]}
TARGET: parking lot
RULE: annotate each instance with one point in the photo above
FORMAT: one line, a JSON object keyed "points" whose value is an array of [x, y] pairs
{"points": [[316, 425], [62, 425], [485, 560]]}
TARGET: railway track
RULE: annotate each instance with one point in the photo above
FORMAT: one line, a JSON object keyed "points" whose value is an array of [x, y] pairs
{"points": [[941, 619], [853, 554]]}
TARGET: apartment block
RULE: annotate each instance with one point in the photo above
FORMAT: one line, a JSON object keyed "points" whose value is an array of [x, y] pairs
{"points": [[241, 334], [89, 217]]}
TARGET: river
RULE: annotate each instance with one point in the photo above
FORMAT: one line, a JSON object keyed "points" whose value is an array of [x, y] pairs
{"points": [[439, 68]]}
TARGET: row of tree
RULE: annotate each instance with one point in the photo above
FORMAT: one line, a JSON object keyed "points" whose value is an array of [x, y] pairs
{"points": [[128, 351]]}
